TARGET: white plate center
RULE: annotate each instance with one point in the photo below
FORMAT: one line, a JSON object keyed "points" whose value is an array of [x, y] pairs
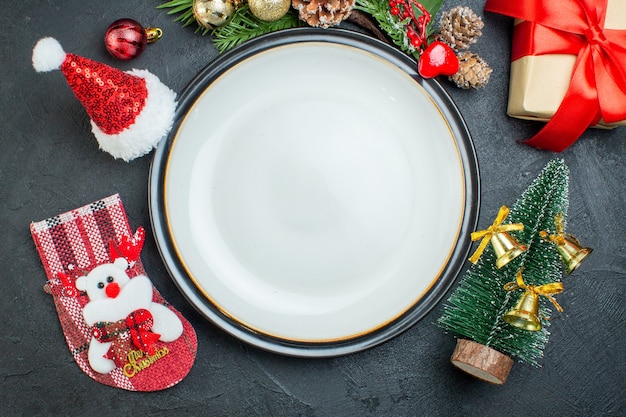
{"points": [[302, 209], [314, 192]]}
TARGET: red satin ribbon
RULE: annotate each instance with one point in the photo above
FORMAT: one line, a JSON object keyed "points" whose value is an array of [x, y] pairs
{"points": [[597, 88]]}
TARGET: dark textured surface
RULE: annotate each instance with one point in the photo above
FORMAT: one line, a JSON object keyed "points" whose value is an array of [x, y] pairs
{"points": [[50, 163]]}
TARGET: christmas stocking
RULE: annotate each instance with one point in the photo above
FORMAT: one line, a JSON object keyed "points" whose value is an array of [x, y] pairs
{"points": [[120, 330]]}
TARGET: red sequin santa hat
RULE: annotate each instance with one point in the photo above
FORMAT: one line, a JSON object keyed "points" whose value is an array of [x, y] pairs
{"points": [[130, 111]]}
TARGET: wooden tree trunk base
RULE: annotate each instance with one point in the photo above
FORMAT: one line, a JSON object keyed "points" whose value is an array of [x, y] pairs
{"points": [[481, 361]]}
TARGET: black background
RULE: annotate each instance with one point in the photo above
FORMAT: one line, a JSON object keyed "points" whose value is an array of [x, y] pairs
{"points": [[50, 163]]}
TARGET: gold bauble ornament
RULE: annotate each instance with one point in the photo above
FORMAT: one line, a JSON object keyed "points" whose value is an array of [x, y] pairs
{"points": [[213, 13], [269, 10]]}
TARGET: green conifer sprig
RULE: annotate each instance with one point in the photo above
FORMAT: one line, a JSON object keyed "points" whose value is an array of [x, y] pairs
{"points": [[245, 26], [184, 7], [242, 27], [394, 27]]}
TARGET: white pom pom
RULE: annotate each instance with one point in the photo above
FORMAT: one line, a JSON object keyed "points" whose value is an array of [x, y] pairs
{"points": [[48, 55]]}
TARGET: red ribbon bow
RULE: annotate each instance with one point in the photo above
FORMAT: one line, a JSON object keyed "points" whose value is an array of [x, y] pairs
{"points": [[137, 324], [597, 89]]}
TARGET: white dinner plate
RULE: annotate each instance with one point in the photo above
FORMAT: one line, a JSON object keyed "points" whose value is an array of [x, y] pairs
{"points": [[315, 195]]}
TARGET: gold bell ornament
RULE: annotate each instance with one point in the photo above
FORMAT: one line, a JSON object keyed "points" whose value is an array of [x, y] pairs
{"points": [[571, 251], [525, 314], [504, 245]]}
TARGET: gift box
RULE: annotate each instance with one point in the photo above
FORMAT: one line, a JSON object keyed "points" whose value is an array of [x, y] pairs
{"points": [[538, 83], [568, 61]]}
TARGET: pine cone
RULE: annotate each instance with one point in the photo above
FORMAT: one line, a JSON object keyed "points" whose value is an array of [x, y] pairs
{"points": [[460, 27], [323, 13], [473, 71]]}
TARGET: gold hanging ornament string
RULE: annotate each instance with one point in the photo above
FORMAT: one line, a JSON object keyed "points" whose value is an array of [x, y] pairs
{"points": [[557, 238], [496, 228]]}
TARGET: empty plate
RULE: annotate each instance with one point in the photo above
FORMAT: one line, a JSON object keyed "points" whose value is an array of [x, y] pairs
{"points": [[315, 196]]}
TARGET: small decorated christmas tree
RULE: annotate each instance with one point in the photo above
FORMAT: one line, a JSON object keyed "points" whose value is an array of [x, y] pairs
{"points": [[488, 311]]}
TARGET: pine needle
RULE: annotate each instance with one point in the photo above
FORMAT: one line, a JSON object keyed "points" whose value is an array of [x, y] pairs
{"points": [[245, 26], [185, 7], [396, 29], [242, 27]]}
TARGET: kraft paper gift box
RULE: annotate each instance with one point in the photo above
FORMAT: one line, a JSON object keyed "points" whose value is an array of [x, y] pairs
{"points": [[538, 83]]}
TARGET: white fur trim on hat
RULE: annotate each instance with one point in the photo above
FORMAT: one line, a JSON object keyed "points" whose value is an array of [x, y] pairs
{"points": [[152, 124], [48, 55]]}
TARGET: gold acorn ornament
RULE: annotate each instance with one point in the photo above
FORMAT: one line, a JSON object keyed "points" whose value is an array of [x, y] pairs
{"points": [[571, 251], [269, 10], [504, 245], [212, 14], [525, 315]]}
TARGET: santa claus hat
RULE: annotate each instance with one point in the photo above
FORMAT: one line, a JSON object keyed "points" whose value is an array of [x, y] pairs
{"points": [[130, 111]]}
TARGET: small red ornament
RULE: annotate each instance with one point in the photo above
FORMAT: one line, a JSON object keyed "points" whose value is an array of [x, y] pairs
{"points": [[126, 39], [438, 59]]}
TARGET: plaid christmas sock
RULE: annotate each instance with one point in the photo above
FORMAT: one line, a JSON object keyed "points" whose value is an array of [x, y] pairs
{"points": [[118, 327]]}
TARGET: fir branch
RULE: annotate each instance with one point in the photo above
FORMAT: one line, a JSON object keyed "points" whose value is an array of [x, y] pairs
{"points": [[185, 7], [395, 28], [379, 10], [245, 26], [177, 6]]}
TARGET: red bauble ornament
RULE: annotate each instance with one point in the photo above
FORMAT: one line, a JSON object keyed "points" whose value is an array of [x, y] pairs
{"points": [[126, 39], [438, 59]]}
